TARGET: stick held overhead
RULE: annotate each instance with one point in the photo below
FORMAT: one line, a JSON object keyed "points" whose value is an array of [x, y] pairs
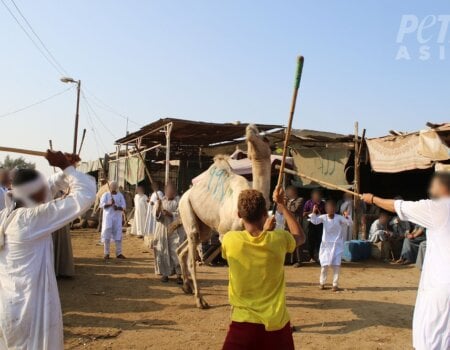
{"points": [[298, 76], [320, 182], [23, 151]]}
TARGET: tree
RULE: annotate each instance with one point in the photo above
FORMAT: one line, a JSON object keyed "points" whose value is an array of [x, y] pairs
{"points": [[20, 163]]}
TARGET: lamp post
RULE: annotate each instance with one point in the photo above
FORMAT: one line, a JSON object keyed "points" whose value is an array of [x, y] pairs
{"points": [[68, 80]]}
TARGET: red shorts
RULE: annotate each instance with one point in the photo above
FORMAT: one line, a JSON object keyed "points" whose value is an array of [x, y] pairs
{"points": [[253, 336]]}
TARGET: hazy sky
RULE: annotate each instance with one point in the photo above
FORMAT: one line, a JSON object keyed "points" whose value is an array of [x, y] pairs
{"points": [[223, 61]]}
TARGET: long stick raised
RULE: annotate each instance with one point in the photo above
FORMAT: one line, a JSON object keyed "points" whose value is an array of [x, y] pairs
{"points": [[298, 76], [23, 151], [320, 182]]}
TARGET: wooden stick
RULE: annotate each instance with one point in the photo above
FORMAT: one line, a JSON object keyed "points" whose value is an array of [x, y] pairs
{"points": [[298, 76], [23, 151], [104, 173], [320, 182], [82, 141], [50, 144], [147, 172]]}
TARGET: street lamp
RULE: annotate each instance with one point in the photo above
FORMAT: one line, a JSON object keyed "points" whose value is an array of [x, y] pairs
{"points": [[69, 80]]}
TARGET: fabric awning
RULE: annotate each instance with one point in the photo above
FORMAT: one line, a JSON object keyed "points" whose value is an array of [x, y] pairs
{"points": [[393, 154]]}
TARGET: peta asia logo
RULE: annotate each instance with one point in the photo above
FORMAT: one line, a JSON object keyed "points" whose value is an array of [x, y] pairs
{"points": [[423, 38]]}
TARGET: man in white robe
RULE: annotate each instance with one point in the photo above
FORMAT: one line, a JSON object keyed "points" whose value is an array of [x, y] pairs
{"points": [[140, 212], [4, 182], [332, 246], [165, 244], [30, 310], [431, 323], [113, 205], [150, 221]]}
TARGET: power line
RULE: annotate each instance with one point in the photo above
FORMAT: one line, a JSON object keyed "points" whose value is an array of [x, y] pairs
{"points": [[101, 104], [35, 103], [31, 39], [97, 137], [37, 36], [96, 116]]}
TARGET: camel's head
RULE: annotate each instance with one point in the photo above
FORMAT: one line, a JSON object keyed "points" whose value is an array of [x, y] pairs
{"points": [[257, 146]]}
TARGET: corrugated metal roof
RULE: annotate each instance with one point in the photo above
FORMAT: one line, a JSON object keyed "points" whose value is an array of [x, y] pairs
{"points": [[191, 133]]}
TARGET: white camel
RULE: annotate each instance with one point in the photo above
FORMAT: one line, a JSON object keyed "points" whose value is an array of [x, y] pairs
{"points": [[211, 204]]}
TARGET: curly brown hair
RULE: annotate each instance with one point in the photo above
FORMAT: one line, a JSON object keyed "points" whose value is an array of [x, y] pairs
{"points": [[251, 205]]}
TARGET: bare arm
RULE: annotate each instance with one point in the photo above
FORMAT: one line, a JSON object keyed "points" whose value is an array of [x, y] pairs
{"points": [[386, 204]]}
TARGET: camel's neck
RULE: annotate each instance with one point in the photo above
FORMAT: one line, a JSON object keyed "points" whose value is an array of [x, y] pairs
{"points": [[261, 177]]}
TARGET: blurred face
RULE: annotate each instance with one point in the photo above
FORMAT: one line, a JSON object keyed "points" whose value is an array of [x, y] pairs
{"points": [[291, 193], [40, 197], [316, 196], [330, 208], [438, 189], [140, 190], [383, 219], [170, 191], [113, 186]]}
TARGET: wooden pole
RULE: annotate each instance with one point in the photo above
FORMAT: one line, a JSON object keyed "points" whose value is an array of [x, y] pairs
{"points": [[298, 75], [356, 184], [168, 132], [77, 117], [82, 141], [320, 182], [23, 151], [147, 171], [107, 178]]}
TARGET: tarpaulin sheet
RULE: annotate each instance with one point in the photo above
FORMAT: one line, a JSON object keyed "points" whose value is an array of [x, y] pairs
{"points": [[325, 164]]}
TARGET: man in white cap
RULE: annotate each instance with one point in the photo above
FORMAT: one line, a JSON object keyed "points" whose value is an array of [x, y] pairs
{"points": [[431, 324], [30, 310], [113, 205]]}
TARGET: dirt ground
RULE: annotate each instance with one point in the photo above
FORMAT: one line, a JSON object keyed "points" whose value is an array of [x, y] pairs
{"points": [[123, 305]]}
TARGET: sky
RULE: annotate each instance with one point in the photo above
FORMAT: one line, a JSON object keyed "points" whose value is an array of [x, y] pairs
{"points": [[382, 63]]}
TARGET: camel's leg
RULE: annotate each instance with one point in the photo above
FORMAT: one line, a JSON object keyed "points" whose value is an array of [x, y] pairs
{"points": [[191, 226], [183, 253], [199, 300]]}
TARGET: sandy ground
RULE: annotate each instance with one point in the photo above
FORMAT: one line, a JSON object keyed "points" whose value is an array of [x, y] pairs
{"points": [[123, 305]]}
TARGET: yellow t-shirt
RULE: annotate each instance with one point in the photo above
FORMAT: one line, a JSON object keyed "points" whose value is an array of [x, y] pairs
{"points": [[256, 272]]}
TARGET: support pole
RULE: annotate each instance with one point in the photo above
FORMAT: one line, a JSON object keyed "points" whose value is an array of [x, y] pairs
{"points": [[168, 132], [77, 117], [356, 185]]}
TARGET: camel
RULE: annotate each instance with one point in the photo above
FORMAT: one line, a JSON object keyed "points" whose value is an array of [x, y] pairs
{"points": [[211, 204]]}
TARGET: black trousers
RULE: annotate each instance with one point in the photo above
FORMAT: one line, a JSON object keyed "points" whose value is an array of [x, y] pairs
{"points": [[314, 239]]}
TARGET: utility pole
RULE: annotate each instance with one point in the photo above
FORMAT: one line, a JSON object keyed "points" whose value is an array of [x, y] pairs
{"points": [[77, 116]]}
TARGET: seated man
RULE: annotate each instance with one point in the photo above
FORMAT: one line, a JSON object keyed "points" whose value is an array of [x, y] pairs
{"points": [[399, 230], [411, 245], [379, 232]]}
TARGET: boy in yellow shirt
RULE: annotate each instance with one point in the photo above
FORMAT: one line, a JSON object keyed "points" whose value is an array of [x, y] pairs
{"points": [[256, 272]]}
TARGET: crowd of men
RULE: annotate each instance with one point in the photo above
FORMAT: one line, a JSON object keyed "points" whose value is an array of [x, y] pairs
{"points": [[35, 209]]}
